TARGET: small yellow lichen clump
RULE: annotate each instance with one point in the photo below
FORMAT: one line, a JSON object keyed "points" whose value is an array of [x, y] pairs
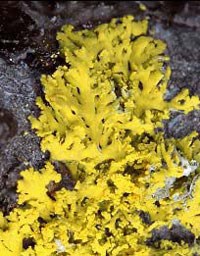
{"points": [[102, 118]]}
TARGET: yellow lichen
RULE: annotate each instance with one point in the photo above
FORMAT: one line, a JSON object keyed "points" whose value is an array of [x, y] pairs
{"points": [[142, 7], [104, 121]]}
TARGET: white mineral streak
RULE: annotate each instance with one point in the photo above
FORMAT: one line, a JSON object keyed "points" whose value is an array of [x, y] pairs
{"points": [[60, 246]]}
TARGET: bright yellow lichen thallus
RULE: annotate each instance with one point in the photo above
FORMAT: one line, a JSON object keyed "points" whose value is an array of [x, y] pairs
{"points": [[103, 120]]}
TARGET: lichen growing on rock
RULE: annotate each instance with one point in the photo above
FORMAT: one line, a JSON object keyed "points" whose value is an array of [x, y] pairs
{"points": [[102, 118]]}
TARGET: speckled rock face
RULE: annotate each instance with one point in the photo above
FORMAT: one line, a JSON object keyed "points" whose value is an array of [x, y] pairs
{"points": [[27, 44]]}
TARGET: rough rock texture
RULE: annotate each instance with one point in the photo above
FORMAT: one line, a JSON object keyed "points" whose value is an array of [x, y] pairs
{"points": [[27, 44], [176, 233]]}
